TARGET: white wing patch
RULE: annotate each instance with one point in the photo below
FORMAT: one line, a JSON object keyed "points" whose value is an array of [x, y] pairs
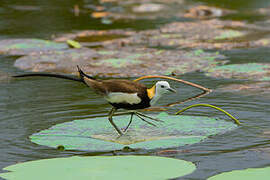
{"points": [[118, 97]]}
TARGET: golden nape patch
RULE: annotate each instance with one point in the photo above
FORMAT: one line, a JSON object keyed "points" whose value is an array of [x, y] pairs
{"points": [[151, 92]]}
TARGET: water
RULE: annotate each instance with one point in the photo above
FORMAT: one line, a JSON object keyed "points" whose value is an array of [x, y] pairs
{"points": [[33, 104]]}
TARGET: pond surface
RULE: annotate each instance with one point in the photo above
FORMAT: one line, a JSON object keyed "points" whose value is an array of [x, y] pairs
{"points": [[33, 104]]}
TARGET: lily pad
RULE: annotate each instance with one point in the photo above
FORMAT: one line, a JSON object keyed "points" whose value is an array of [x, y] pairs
{"points": [[56, 61], [27, 46], [94, 38], [209, 34], [229, 34], [100, 167], [247, 174], [120, 62], [148, 8], [203, 12], [252, 71], [97, 134], [261, 88]]}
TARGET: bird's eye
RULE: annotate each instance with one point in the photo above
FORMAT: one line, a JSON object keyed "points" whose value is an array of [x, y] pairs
{"points": [[162, 86]]}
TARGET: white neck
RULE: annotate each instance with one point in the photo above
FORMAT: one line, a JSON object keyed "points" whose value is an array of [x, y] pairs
{"points": [[155, 99]]}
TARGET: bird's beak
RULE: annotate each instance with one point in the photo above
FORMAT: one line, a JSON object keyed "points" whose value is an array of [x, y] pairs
{"points": [[172, 90]]}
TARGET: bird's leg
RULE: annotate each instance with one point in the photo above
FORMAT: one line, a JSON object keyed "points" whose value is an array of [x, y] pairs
{"points": [[111, 121], [149, 117], [138, 115], [131, 116]]}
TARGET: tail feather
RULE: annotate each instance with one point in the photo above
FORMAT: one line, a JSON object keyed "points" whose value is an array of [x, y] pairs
{"points": [[73, 78], [82, 74], [49, 75]]}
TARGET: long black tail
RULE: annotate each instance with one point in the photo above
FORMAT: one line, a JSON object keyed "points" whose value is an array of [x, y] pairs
{"points": [[82, 74], [73, 78]]}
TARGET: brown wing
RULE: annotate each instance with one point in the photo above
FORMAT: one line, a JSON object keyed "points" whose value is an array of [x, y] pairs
{"points": [[124, 86], [115, 85]]}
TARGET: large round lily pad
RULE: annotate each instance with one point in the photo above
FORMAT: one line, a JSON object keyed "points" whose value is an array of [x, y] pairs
{"points": [[97, 134], [27, 46], [100, 167], [247, 174], [121, 62]]}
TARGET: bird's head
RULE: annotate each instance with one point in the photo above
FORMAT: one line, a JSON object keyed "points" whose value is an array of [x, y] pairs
{"points": [[163, 87]]}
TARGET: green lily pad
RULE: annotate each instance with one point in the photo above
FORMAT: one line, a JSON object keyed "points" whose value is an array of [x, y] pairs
{"points": [[100, 167], [247, 174], [228, 34], [261, 88], [97, 134], [56, 61], [118, 63], [27, 46], [252, 71]]}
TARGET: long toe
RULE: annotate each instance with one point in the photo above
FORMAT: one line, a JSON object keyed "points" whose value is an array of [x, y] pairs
{"points": [[149, 117]]}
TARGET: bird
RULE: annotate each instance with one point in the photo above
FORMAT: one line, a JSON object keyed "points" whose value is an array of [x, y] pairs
{"points": [[120, 93]]}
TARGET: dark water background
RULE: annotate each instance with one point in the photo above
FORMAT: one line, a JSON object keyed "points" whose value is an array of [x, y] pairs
{"points": [[28, 106]]}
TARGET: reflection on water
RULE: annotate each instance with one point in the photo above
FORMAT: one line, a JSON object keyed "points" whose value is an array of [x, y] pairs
{"points": [[33, 104]]}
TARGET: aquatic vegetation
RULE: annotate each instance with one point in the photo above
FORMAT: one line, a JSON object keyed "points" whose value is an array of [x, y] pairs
{"points": [[96, 134], [251, 71], [247, 174], [61, 61], [73, 44], [110, 62], [100, 167], [228, 34], [203, 12], [117, 63], [261, 88], [27, 46]]}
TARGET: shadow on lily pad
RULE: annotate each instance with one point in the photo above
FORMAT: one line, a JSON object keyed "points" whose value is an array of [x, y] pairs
{"points": [[100, 167], [97, 134], [247, 174]]}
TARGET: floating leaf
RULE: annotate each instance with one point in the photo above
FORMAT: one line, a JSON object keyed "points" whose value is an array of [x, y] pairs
{"points": [[205, 12], [148, 8], [73, 44], [97, 134], [118, 62], [56, 60], [261, 88], [253, 71], [27, 46], [247, 174], [229, 34], [100, 167]]}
